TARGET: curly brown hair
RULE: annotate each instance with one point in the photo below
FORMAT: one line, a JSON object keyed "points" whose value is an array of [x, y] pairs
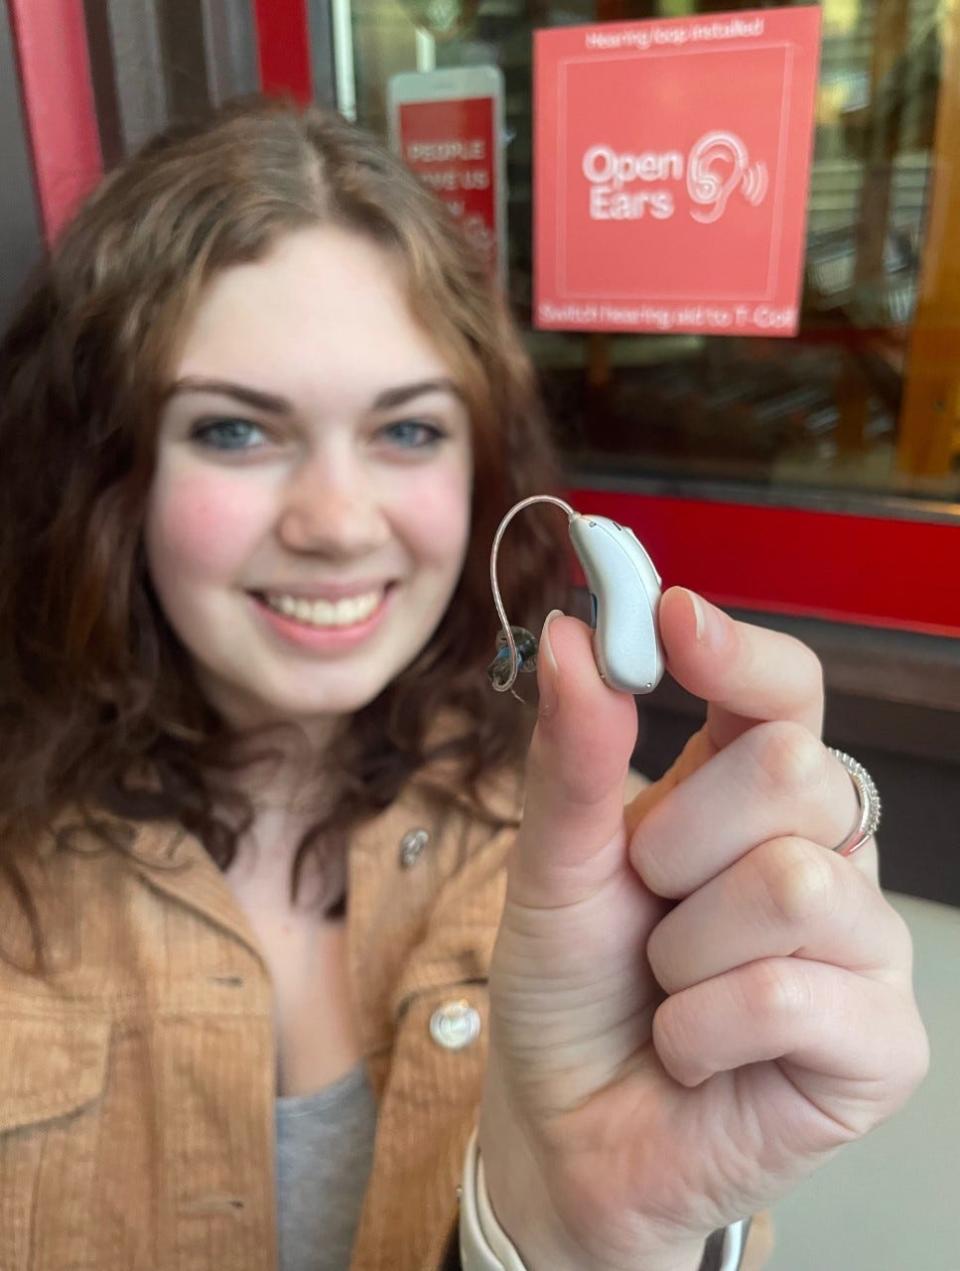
{"points": [[94, 686]]}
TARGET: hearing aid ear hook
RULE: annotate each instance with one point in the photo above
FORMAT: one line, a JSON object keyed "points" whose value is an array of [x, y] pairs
{"points": [[625, 588], [516, 646]]}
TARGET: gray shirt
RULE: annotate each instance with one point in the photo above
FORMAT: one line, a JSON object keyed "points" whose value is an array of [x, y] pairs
{"points": [[324, 1154]]}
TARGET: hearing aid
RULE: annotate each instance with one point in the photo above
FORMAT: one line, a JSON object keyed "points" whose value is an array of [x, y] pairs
{"points": [[625, 596]]}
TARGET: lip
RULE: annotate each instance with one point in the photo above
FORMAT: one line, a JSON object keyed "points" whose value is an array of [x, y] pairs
{"points": [[317, 639]]}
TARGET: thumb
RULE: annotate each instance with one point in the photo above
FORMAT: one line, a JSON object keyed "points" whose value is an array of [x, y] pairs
{"points": [[572, 836]]}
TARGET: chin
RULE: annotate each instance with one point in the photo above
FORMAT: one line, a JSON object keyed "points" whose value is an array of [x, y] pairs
{"points": [[270, 691], [298, 704]]}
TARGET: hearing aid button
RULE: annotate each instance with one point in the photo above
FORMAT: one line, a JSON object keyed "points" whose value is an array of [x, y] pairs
{"points": [[647, 554], [455, 1025]]}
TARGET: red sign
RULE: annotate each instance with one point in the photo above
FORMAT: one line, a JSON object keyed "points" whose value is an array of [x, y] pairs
{"points": [[450, 145], [672, 162]]}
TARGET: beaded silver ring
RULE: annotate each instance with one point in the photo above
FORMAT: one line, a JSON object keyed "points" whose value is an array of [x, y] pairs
{"points": [[869, 800]]}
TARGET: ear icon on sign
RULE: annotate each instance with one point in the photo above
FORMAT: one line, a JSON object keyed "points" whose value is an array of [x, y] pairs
{"points": [[717, 165], [755, 183]]}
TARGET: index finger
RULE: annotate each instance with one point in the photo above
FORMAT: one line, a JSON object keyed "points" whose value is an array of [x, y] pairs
{"points": [[746, 674]]}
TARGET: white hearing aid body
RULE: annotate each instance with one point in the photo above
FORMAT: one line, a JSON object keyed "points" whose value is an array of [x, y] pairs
{"points": [[625, 588], [625, 591]]}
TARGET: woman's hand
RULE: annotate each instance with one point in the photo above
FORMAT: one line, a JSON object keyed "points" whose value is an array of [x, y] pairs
{"points": [[694, 1002]]}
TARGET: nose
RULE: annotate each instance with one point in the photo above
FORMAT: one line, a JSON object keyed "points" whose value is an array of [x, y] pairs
{"points": [[331, 507]]}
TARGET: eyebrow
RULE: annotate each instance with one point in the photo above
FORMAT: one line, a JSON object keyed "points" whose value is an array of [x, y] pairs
{"points": [[275, 405]]}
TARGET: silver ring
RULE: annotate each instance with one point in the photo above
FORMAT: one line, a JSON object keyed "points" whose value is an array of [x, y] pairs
{"points": [[867, 797]]}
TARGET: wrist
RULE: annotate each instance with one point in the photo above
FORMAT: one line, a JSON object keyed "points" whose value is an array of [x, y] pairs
{"points": [[518, 1197], [520, 1204], [486, 1246]]}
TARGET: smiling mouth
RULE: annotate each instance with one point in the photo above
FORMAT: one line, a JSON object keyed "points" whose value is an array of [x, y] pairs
{"points": [[324, 614]]}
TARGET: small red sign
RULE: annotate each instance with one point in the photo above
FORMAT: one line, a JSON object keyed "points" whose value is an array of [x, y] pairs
{"points": [[450, 146], [672, 163]]}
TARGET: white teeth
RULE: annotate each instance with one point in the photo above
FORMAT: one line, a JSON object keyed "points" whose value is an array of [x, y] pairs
{"points": [[326, 613]]}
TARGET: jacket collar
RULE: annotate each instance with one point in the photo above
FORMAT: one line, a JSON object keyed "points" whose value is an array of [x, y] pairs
{"points": [[173, 861]]}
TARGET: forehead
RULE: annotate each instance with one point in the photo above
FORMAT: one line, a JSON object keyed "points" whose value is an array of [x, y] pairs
{"points": [[325, 307]]}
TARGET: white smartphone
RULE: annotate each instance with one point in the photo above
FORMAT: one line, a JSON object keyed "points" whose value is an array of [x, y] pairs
{"points": [[448, 126]]}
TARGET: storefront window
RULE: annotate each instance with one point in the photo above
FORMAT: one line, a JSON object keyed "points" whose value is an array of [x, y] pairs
{"points": [[865, 398]]}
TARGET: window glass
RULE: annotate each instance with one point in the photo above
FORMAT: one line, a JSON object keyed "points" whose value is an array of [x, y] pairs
{"points": [[851, 402]]}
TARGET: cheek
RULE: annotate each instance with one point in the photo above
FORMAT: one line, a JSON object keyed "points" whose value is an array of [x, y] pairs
{"points": [[436, 514], [203, 524]]}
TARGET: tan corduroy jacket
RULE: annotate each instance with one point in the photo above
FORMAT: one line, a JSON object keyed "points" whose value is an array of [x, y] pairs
{"points": [[137, 1083]]}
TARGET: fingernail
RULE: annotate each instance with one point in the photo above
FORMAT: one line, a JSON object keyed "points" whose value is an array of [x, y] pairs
{"points": [[709, 619], [549, 673]]}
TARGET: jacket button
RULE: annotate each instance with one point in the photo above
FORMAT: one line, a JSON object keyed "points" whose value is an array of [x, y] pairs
{"points": [[455, 1025], [411, 845]]}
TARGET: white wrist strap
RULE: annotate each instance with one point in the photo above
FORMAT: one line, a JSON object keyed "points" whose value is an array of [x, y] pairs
{"points": [[485, 1246]]}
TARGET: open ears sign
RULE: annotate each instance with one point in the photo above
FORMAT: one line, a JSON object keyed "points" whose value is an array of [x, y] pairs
{"points": [[672, 170]]}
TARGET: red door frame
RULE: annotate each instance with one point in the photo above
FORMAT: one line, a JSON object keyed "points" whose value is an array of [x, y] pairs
{"points": [[283, 45], [51, 47]]}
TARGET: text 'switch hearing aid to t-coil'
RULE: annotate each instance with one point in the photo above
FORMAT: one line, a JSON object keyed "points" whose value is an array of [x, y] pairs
{"points": [[625, 590]]}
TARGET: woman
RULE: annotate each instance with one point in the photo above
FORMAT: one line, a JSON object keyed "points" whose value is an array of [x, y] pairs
{"points": [[261, 416]]}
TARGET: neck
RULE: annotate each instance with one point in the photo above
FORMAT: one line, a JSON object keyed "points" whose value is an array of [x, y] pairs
{"points": [[282, 769]]}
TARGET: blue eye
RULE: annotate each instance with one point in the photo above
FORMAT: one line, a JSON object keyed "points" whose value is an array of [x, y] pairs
{"points": [[228, 434], [413, 434]]}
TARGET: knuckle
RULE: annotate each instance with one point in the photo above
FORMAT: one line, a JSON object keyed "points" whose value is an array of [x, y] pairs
{"points": [[657, 869], [867, 861], [919, 1066], [790, 758], [660, 956], [676, 1040], [899, 943], [806, 667], [775, 991], [813, 667], [908, 1062], [796, 879]]}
